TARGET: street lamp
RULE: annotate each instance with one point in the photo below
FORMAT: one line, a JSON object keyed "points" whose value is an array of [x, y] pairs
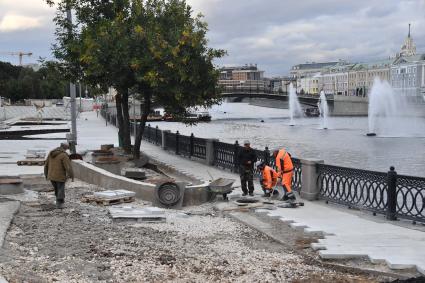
{"points": [[73, 137]]}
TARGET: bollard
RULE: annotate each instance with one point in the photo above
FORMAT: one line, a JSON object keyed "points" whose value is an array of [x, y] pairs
{"points": [[392, 194], [156, 135], [177, 143], [192, 137], [267, 156], [235, 157]]}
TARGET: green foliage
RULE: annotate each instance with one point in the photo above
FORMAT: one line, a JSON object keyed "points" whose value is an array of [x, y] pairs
{"points": [[18, 83]]}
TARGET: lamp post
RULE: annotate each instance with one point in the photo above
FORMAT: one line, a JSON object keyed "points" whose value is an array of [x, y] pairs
{"points": [[72, 94]]}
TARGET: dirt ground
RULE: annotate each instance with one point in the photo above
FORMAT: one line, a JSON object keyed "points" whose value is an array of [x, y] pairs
{"points": [[81, 243]]}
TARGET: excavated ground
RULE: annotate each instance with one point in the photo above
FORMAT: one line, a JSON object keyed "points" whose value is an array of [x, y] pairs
{"points": [[81, 243]]}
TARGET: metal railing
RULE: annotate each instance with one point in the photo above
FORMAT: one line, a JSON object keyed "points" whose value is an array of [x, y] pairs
{"points": [[384, 193]]}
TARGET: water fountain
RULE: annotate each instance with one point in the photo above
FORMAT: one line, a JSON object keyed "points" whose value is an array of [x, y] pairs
{"points": [[324, 111], [390, 114], [294, 105]]}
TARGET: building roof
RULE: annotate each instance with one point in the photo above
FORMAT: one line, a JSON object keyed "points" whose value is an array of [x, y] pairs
{"points": [[410, 59], [378, 64], [313, 65]]}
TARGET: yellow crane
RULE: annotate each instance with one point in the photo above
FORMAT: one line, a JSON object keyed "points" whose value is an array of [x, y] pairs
{"points": [[20, 54]]}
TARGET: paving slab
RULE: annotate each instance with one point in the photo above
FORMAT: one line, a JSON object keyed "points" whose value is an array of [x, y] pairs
{"points": [[7, 211], [347, 235]]}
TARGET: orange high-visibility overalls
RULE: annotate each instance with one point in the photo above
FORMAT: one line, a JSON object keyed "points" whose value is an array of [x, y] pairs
{"points": [[269, 179], [285, 169]]}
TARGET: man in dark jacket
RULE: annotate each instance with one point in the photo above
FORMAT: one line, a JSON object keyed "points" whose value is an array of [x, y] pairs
{"points": [[58, 169], [246, 159]]}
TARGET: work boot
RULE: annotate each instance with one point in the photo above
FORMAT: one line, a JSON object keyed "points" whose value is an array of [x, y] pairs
{"points": [[59, 205], [290, 197], [251, 194], [244, 194], [266, 195]]}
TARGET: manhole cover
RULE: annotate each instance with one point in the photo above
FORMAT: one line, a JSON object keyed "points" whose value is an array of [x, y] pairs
{"points": [[169, 194]]}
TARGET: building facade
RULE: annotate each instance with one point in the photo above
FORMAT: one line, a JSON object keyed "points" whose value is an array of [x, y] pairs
{"points": [[243, 78], [408, 77]]}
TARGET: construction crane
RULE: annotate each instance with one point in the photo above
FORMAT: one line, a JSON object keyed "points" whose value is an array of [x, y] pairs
{"points": [[20, 54]]}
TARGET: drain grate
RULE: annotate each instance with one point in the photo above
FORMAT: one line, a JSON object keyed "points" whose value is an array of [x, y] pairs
{"points": [[247, 200]]}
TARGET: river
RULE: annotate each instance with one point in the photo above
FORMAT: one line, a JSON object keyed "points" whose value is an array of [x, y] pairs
{"points": [[344, 143]]}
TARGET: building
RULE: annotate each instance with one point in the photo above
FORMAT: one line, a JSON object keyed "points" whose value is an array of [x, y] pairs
{"points": [[362, 75], [281, 84], [243, 78], [311, 85], [408, 77], [334, 79], [408, 71], [309, 69]]}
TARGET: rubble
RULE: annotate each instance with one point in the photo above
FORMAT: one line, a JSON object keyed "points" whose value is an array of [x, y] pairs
{"points": [[81, 243]]}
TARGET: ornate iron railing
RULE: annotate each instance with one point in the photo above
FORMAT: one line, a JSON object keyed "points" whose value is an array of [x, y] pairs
{"points": [[411, 197], [225, 155], [199, 148], [369, 190]]}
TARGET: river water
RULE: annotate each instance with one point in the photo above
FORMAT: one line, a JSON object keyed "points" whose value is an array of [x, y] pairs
{"points": [[345, 142]]}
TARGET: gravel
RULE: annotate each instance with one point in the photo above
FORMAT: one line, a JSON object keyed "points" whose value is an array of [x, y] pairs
{"points": [[81, 243]]}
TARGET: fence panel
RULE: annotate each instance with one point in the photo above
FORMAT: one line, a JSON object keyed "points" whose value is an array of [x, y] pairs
{"points": [[200, 148], [224, 155], [353, 187], [411, 198]]}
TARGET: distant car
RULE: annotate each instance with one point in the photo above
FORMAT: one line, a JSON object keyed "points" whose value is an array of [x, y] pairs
{"points": [[59, 104], [312, 112]]}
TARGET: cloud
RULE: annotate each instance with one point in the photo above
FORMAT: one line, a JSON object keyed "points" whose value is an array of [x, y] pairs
{"points": [[13, 22], [275, 34]]}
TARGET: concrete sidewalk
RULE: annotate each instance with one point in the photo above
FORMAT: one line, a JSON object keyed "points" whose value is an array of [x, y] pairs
{"points": [[7, 211], [349, 236], [91, 130]]}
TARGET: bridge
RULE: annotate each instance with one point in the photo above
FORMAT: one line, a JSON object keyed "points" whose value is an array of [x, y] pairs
{"points": [[239, 95]]}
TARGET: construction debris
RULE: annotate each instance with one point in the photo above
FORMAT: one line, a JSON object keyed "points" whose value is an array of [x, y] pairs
{"points": [[31, 162], [111, 197], [147, 214]]}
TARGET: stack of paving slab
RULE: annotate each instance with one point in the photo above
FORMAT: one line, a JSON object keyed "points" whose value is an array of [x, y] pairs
{"points": [[59, 113], [146, 214], [33, 157], [113, 197]]}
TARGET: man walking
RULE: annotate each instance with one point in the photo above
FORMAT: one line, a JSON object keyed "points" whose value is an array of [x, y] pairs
{"points": [[246, 159], [58, 169]]}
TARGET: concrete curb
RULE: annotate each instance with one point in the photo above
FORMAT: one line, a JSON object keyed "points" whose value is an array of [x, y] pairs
{"points": [[267, 229], [7, 210]]}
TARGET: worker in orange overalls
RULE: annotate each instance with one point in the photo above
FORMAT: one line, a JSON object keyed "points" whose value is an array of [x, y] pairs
{"points": [[268, 178], [285, 170]]}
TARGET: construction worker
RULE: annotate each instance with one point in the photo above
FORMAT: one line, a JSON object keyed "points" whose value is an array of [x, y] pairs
{"points": [[285, 170], [268, 178], [246, 159]]}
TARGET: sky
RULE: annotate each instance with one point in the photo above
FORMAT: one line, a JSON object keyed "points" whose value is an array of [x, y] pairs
{"points": [[275, 34]]}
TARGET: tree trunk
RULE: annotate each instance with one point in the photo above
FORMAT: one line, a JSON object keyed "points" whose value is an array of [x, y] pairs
{"points": [[145, 109], [118, 103], [126, 122]]}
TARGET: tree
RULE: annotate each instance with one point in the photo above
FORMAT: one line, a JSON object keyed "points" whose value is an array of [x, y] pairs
{"points": [[153, 46], [173, 65], [97, 51]]}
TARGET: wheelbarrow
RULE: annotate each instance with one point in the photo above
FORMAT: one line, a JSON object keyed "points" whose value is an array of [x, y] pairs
{"points": [[221, 186]]}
